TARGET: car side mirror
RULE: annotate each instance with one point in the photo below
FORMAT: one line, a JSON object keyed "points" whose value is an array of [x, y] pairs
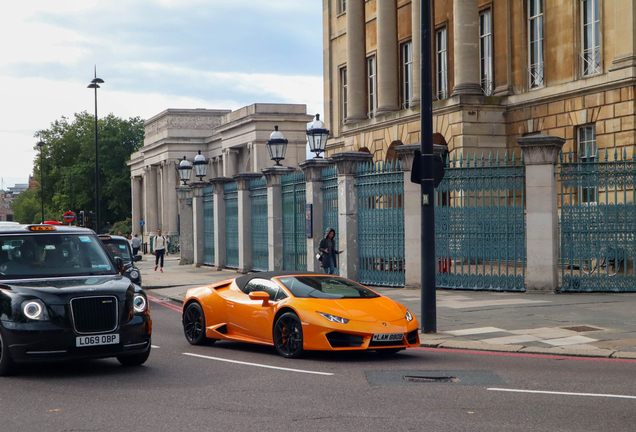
{"points": [[260, 296], [119, 263], [137, 258]]}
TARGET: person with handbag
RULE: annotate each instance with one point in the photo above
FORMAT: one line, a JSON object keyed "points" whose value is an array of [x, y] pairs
{"points": [[159, 249], [329, 254]]}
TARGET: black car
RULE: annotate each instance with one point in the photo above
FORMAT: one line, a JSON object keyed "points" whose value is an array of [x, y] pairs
{"points": [[118, 246], [62, 297]]}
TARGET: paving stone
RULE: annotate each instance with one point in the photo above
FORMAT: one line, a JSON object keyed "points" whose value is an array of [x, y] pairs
{"points": [[515, 339], [474, 331], [480, 346], [572, 340], [624, 355], [568, 351]]}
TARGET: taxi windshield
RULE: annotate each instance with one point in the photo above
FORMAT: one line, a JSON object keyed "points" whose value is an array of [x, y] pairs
{"points": [[325, 287], [52, 255], [118, 248]]}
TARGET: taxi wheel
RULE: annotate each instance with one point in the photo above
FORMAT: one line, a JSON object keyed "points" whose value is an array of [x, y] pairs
{"points": [[194, 324], [135, 359], [288, 335], [6, 362], [388, 351]]}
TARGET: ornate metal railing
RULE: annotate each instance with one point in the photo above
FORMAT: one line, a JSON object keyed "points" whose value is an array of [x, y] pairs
{"points": [[591, 61], [535, 75], [329, 190], [598, 222], [208, 225], [260, 250], [380, 190], [294, 239], [231, 225], [480, 224]]}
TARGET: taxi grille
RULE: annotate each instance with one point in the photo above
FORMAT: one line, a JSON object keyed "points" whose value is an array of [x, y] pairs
{"points": [[94, 314]]}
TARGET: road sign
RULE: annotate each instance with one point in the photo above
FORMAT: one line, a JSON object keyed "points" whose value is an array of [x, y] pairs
{"points": [[69, 216], [142, 223]]}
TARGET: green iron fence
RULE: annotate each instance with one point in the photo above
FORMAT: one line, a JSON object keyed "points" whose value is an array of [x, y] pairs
{"points": [[208, 225], [480, 224], [260, 250], [231, 225], [329, 190], [380, 190], [294, 238], [598, 222], [173, 244]]}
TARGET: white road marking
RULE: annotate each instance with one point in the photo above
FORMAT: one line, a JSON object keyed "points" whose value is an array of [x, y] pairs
{"points": [[564, 393], [154, 346], [257, 365]]}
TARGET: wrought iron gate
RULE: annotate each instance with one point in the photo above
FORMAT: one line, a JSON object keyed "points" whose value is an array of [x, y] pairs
{"points": [[598, 222], [260, 250], [231, 225], [480, 224], [208, 225], [329, 190], [294, 239], [380, 190]]}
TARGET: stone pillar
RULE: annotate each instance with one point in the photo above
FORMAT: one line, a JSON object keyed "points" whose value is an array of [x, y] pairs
{"points": [[150, 195], [273, 176], [220, 253], [346, 164], [165, 193], [186, 239], [624, 34], [245, 220], [313, 181], [466, 45], [136, 184], [356, 62], [388, 72], [173, 213], [198, 234], [542, 221], [416, 16], [230, 162]]}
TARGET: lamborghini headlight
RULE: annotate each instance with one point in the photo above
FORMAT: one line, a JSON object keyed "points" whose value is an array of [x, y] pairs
{"points": [[408, 316], [333, 318]]}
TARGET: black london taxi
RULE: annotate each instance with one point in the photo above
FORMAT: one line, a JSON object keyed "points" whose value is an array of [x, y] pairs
{"points": [[118, 246], [63, 297]]}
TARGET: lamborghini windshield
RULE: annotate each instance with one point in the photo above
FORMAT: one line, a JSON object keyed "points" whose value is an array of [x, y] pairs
{"points": [[325, 287]]}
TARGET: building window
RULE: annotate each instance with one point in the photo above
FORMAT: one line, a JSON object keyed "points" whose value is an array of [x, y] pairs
{"points": [[407, 74], [535, 43], [587, 151], [372, 86], [343, 93], [442, 64], [342, 6], [485, 51], [591, 37]]}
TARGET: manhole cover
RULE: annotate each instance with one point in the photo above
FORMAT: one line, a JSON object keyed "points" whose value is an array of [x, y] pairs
{"points": [[581, 329], [431, 379]]}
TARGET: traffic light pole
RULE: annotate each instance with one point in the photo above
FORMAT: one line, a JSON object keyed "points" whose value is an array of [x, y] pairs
{"points": [[429, 306]]}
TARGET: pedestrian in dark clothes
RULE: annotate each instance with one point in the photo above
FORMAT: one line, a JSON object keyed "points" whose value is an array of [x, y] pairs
{"points": [[328, 250]]}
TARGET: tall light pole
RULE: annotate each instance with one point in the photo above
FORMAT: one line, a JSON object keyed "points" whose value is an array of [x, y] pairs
{"points": [[41, 145], [95, 85]]}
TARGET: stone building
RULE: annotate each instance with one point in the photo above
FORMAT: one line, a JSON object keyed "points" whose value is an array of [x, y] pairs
{"points": [[232, 142], [501, 70]]}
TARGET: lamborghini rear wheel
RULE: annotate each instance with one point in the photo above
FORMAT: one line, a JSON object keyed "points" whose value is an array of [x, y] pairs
{"points": [[288, 335], [194, 324]]}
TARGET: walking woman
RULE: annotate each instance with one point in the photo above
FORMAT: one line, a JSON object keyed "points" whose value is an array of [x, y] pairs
{"points": [[159, 248], [329, 253]]}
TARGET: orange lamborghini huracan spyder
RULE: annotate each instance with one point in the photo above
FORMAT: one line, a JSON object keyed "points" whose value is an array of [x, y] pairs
{"points": [[295, 312]]}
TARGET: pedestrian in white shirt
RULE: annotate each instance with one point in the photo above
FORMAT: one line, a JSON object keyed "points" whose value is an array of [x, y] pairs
{"points": [[159, 249]]}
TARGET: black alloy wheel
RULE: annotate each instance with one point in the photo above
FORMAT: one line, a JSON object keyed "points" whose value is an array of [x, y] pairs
{"points": [[135, 359], [6, 362], [288, 335], [194, 324]]}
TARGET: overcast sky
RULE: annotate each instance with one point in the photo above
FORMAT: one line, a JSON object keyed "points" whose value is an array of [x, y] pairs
{"points": [[152, 55]]}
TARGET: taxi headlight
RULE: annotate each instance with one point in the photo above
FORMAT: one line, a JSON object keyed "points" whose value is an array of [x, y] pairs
{"points": [[140, 304], [333, 318], [408, 316], [34, 310], [134, 274]]}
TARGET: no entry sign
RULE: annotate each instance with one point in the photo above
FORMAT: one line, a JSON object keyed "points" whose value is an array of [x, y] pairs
{"points": [[69, 216]]}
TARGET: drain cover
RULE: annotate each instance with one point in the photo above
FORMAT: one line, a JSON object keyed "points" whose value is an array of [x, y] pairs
{"points": [[429, 379], [582, 329]]}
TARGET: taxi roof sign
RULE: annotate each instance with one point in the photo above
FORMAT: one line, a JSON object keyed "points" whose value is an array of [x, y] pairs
{"points": [[41, 228]]}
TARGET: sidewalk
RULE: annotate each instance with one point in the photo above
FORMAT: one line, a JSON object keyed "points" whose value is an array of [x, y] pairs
{"points": [[592, 325]]}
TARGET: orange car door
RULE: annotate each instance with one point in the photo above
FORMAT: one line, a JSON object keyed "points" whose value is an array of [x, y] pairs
{"points": [[251, 315]]}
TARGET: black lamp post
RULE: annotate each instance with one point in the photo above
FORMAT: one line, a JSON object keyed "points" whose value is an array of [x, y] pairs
{"points": [[200, 166], [317, 135], [95, 85], [41, 145], [277, 146], [184, 171]]}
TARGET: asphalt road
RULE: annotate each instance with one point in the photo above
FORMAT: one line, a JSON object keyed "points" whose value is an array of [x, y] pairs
{"points": [[177, 391]]}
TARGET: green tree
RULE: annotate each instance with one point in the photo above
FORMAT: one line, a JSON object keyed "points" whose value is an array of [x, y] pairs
{"points": [[69, 168]]}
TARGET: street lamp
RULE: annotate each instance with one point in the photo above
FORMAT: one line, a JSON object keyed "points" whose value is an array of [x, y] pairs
{"points": [[277, 146], [200, 166], [41, 145], [317, 135], [95, 85], [184, 171]]}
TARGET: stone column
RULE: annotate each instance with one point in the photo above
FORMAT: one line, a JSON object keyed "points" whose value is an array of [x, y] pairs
{"points": [[198, 235], [165, 193], [416, 16], [186, 239], [388, 72], [313, 181], [220, 253], [542, 221], [150, 195], [245, 220], [135, 183], [356, 62], [273, 176], [624, 34], [173, 213], [466, 46], [346, 164]]}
